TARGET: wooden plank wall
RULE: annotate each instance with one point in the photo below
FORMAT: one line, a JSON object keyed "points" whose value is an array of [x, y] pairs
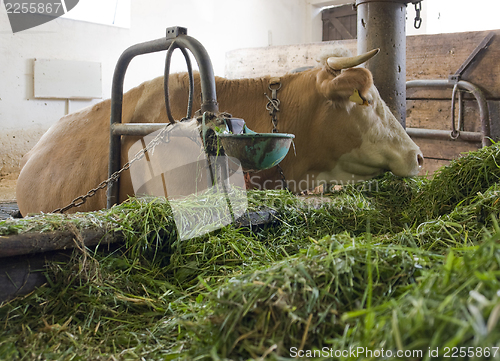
{"points": [[438, 57], [428, 57]]}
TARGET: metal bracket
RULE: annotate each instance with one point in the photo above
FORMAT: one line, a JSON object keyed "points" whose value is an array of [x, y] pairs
{"points": [[175, 31], [455, 78]]}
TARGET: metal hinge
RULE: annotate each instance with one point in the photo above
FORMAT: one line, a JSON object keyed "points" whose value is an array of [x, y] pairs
{"points": [[455, 78]]}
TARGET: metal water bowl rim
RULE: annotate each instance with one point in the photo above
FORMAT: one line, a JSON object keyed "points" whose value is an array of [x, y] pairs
{"points": [[257, 135], [257, 151]]}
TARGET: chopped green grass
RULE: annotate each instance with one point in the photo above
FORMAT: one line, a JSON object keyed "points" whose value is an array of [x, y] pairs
{"points": [[393, 264]]}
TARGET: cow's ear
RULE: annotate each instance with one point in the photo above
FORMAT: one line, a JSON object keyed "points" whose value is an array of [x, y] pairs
{"points": [[345, 84]]}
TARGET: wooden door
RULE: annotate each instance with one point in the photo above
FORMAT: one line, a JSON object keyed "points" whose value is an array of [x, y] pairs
{"points": [[339, 23]]}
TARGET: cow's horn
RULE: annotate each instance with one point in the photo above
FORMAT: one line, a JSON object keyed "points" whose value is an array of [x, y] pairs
{"points": [[339, 63]]}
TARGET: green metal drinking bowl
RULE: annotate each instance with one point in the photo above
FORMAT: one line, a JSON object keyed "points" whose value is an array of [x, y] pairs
{"points": [[256, 151]]}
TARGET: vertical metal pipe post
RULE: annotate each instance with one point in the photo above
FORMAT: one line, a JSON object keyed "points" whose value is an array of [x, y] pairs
{"points": [[382, 24]]}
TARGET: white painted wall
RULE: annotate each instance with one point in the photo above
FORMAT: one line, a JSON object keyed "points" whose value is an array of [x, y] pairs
{"points": [[453, 16], [220, 25], [24, 119]]}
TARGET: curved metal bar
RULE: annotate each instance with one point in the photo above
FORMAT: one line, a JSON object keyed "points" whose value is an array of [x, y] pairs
{"points": [[166, 77], [209, 98], [189, 113], [461, 113], [473, 89], [207, 77], [170, 51], [117, 105], [454, 132]]}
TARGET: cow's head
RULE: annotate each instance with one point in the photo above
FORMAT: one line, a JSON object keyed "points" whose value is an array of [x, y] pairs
{"points": [[372, 139]]}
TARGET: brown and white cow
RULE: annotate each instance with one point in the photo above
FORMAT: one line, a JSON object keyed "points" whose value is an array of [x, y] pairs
{"points": [[344, 133]]}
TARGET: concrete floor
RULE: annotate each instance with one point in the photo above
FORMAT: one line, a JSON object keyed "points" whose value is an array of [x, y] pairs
{"points": [[6, 209]]}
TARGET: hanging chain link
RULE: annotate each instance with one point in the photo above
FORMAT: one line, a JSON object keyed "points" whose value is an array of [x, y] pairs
{"points": [[273, 107], [418, 19], [78, 201]]}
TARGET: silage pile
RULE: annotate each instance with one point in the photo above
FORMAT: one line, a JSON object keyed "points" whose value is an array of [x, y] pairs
{"points": [[392, 264]]}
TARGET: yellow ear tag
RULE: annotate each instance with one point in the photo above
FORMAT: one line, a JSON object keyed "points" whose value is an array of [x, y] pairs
{"points": [[356, 98]]}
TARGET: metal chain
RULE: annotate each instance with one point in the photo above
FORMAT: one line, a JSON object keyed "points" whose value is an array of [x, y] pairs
{"points": [[418, 19], [283, 179], [273, 107], [78, 201]]}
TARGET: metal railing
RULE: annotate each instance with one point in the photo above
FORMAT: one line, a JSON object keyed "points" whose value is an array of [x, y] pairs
{"points": [[483, 136], [176, 38]]}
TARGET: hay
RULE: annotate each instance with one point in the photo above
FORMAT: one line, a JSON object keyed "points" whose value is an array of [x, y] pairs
{"points": [[393, 264], [460, 181], [344, 295]]}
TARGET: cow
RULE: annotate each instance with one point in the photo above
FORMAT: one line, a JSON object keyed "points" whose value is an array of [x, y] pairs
{"points": [[344, 132]]}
